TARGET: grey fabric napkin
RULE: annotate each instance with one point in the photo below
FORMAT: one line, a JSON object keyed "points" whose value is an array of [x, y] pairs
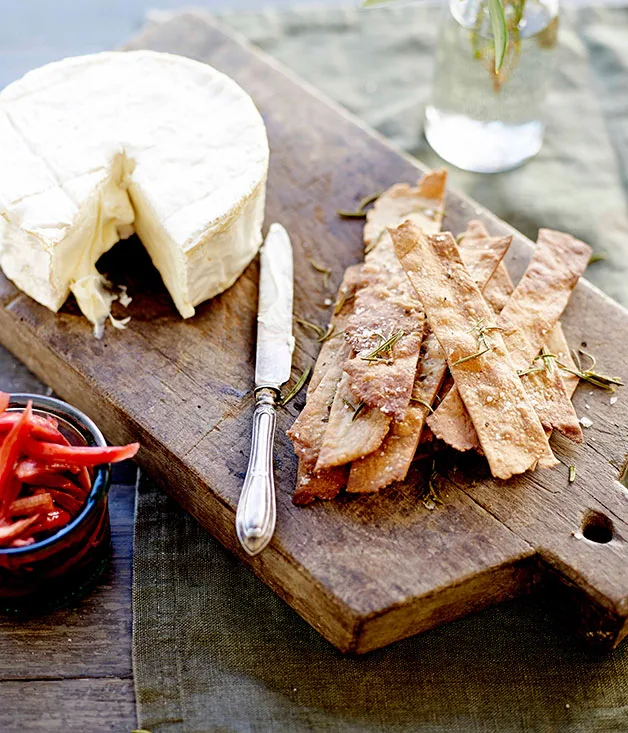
{"points": [[217, 651]]}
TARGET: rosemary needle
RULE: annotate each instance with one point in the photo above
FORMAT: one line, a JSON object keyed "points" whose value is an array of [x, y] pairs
{"points": [[322, 334], [359, 212], [422, 402], [590, 375], [297, 388], [572, 474], [548, 365], [325, 271], [357, 409], [329, 333], [318, 330], [374, 242], [342, 301], [471, 356], [430, 496], [385, 347]]}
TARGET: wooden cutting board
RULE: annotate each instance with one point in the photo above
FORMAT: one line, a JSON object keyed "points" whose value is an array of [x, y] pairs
{"points": [[367, 571]]}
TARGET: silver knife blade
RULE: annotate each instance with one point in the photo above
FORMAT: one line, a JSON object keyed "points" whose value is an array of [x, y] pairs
{"points": [[275, 342]]}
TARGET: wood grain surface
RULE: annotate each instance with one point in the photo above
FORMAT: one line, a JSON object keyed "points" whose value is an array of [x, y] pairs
{"points": [[366, 571]]}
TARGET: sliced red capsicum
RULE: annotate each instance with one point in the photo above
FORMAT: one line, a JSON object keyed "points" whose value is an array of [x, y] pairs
{"points": [[12, 448], [79, 455], [51, 521], [30, 471], [43, 429], [65, 501], [9, 532]]}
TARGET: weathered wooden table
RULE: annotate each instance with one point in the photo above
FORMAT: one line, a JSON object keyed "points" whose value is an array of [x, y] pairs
{"points": [[71, 671]]}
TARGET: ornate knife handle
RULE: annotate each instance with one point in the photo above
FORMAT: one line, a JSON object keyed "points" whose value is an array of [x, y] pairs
{"points": [[257, 512]]}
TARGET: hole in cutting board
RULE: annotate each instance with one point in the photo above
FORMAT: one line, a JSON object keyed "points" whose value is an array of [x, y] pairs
{"points": [[597, 527]]}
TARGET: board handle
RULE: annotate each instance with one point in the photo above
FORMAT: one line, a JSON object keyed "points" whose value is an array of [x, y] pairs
{"points": [[257, 512]]}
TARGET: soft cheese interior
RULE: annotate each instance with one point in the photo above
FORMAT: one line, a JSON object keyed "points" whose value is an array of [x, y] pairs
{"points": [[97, 147]]}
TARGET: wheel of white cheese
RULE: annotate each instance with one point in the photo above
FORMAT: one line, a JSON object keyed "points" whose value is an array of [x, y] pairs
{"points": [[97, 147]]}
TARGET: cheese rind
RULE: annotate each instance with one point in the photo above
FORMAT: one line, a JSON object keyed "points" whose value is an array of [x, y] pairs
{"points": [[94, 148]]}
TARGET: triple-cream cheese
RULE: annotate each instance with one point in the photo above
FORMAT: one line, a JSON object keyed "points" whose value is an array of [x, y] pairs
{"points": [[97, 147]]}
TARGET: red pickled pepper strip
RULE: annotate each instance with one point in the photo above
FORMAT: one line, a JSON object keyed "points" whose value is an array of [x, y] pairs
{"points": [[65, 501], [80, 455], [53, 520], [15, 488], [22, 543], [11, 531], [42, 428], [84, 479], [31, 471], [55, 481], [10, 452], [32, 505]]}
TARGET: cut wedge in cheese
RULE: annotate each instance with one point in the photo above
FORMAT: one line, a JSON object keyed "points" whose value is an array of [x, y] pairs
{"points": [[97, 147]]}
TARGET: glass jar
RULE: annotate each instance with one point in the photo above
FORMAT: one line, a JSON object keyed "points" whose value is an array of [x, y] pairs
{"points": [[479, 119], [52, 572]]}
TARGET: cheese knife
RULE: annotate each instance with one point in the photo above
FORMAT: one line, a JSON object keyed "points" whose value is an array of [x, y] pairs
{"points": [[256, 515]]}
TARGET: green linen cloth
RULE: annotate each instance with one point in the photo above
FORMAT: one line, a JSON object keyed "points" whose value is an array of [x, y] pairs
{"points": [[214, 649]]}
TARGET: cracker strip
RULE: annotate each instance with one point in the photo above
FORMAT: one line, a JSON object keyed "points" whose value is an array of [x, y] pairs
{"points": [[510, 432], [342, 310], [322, 485], [351, 431], [391, 461], [527, 320], [309, 428], [542, 294], [386, 304]]}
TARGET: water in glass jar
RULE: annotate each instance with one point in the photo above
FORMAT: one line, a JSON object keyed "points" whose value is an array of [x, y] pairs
{"points": [[478, 120]]}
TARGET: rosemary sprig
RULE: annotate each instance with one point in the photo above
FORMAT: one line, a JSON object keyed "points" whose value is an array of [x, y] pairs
{"points": [[383, 352], [357, 409], [430, 496], [374, 242], [318, 330], [480, 330], [531, 370], [325, 271], [342, 301], [590, 375], [322, 334], [471, 356], [548, 364], [360, 210], [422, 402], [572, 474], [298, 386], [329, 334], [548, 359]]}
